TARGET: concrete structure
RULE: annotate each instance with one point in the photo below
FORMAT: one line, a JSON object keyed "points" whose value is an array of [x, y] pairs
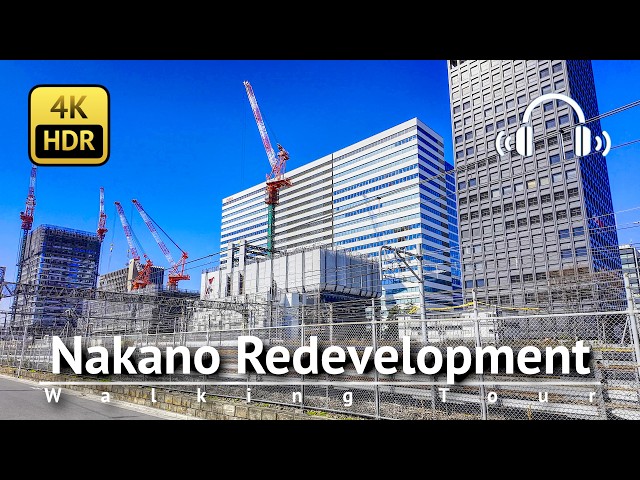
{"points": [[313, 271], [388, 189], [630, 257], [528, 220], [56, 256], [121, 280]]}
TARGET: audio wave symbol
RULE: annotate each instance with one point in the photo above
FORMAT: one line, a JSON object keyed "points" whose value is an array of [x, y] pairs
{"points": [[524, 134]]}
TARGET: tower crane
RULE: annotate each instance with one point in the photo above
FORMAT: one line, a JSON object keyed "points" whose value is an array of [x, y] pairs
{"points": [[143, 277], [102, 220], [27, 220], [177, 268], [275, 179]]}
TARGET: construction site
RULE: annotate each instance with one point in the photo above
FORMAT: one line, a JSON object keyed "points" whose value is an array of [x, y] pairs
{"points": [[319, 292]]}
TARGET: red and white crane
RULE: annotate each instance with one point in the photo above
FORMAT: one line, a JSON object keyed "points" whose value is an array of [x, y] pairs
{"points": [[26, 217], [143, 277], [177, 268], [102, 220], [275, 179]]}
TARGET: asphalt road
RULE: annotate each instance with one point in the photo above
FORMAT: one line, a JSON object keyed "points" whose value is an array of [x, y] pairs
{"points": [[26, 400]]}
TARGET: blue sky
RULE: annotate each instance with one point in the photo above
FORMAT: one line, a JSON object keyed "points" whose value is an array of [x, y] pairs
{"points": [[183, 137]]}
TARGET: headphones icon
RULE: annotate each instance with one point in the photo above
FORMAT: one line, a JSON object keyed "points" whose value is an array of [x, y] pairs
{"points": [[524, 134]]}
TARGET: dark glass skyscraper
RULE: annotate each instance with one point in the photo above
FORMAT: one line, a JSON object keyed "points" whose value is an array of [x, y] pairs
{"points": [[530, 217]]}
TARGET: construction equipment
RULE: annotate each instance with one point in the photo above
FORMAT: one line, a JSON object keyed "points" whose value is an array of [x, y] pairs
{"points": [[27, 221], [275, 179], [177, 268], [102, 220], [143, 277]]}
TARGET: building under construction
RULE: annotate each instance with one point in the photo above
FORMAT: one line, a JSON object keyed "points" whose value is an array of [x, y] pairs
{"points": [[56, 256], [122, 280]]}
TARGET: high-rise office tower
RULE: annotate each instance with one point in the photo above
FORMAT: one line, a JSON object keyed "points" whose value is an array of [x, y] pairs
{"points": [[538, 213], [390, 189]]}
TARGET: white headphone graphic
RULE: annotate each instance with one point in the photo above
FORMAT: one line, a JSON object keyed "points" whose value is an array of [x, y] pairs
{"points": [[524, 134]]}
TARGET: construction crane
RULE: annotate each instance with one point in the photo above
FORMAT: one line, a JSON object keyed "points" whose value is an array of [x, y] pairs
{"points": [[27, 221], [177, 268], [102, 220], [143, 277], [275, 179]]}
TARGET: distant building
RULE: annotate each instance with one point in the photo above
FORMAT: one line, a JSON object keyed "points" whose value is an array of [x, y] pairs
{"points": [[56, 256], [121, 280], [630, 256]]}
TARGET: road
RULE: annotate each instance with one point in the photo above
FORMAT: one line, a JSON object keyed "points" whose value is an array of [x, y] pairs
{"points": [[26, 400]]}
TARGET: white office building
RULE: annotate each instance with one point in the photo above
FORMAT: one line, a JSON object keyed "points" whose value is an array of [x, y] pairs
{"points": [[390, 189]]}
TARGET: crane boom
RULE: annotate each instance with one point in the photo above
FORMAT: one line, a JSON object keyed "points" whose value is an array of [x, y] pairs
{"points": [[143, 277], [177, 268], [128, 234], [102, 220], [261, 127]]}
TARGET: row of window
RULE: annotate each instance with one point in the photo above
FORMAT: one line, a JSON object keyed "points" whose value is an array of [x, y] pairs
{"points": [[519, 205], [518, 187]]}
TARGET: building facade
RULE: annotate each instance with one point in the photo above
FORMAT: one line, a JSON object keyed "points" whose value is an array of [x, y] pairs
{"points": [[392, 189], [56, 257], [528, 220]]}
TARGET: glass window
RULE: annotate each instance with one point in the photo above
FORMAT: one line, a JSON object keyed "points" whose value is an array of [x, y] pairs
{"points": [[468, 284], [495, 193], [576, 212], [544, 181], [573, 192], [522, 99], [500, 124], [469, 151], [571, 174], [562, 119], [531, 184], [466, 105], [546, 198], [456, 109], [556, 68], [547, 106], [472, 182], [511, 103], [546, 89], [518, 187], [561, 214], [506, 190], [566, 253], [564, 233], [462, 185], [459, 154], [480, 282], [568, 155], [488, 128], [556, 177], [499, 108], [458, 138], [511, 120], [550, 123], [578, 231], [559, 84], [544, 72], [554, 159], [581, 251], [468, 135], [508, 207]]}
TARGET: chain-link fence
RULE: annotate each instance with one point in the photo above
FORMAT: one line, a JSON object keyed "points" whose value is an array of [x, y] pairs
{"points": [[347, 340]]}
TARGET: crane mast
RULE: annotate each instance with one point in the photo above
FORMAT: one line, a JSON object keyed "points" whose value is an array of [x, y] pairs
{"points": [[177, 268], [143, 277], [102, 219], [275, 179]]}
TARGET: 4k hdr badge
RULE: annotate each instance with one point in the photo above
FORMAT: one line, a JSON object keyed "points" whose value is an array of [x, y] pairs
{"points": [[68, 125]]}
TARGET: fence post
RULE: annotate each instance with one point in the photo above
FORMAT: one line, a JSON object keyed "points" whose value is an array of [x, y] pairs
{"points": [[24, 341], [476, 329], [4, 341], [302, 335], [633, 327], [374, 336]]}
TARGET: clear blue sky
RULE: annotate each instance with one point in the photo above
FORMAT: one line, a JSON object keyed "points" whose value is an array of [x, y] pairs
{"points": [[183, 137]]}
